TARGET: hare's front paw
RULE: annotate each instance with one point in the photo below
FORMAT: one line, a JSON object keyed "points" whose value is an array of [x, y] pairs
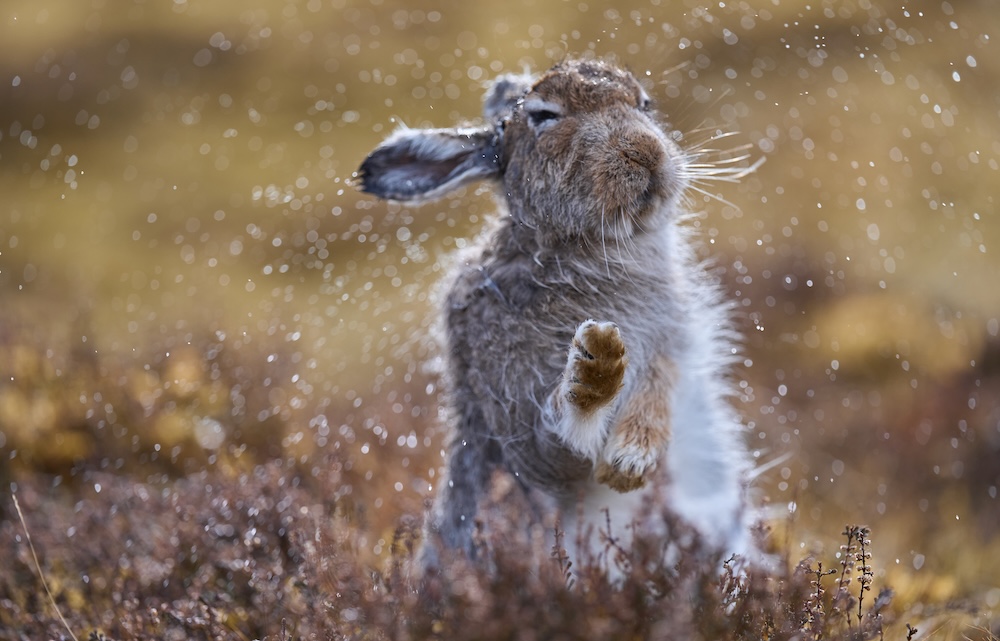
{"points": [[640, 437], [629, 460], [596, 366]]}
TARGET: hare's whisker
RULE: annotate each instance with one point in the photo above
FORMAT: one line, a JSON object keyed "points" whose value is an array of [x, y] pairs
{"points": [[604, 244], [716, 197], [629, 241]]}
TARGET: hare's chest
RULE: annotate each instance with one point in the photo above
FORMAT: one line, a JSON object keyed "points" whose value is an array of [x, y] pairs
{"points": [[508, 329]]}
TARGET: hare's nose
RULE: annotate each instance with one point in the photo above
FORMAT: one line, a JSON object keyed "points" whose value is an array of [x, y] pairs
{"points": [[642, 150]]}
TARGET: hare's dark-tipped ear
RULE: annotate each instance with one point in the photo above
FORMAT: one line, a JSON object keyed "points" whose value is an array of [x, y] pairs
{"points": [[415, 165], [503, 95]]}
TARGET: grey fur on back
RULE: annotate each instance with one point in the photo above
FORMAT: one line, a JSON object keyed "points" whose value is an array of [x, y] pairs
{"points": [[586, 348]]}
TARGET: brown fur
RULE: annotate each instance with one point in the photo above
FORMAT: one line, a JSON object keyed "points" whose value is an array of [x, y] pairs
{"points": [[590, 186], [646, 425], [598, 369]]}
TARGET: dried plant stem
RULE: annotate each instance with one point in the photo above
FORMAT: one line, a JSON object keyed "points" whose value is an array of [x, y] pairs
{"points": [[38, 568], [814, 611], [862, 533]]}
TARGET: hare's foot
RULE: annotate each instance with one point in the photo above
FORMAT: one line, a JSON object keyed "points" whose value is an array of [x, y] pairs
{"points": [[596, 366]]}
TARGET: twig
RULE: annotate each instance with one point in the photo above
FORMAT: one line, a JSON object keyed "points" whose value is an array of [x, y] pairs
{"points": [[562, 558], [844, 601], [814, 610], [867, 574], [38, 567]]}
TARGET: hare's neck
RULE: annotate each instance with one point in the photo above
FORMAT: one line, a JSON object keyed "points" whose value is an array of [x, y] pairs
{"points": [[589, 257]]}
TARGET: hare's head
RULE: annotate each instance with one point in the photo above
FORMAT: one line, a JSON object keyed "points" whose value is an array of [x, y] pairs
{"points": [[577, 151]]}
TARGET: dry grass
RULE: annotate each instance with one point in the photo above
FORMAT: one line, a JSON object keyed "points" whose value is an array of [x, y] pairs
{"points": [[161, 296], [267, 555], [139, 537]]}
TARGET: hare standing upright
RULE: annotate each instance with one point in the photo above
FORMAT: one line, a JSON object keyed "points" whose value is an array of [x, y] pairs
{"points": [[586, 348]]}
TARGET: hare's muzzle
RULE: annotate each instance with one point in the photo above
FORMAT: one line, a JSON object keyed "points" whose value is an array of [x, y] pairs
{"points": [[642, 151], [630, 171]]}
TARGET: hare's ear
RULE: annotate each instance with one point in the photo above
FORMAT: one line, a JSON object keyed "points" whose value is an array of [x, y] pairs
{"points": [[416, 165], [503, 95]]}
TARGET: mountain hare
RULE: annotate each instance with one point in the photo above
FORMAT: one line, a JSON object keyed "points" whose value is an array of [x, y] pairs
{"points": [[586, 347]]}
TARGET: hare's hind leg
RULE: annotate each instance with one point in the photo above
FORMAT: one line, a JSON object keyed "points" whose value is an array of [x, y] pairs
{"points": [[451, 523], [639, 437], [592, 380]]}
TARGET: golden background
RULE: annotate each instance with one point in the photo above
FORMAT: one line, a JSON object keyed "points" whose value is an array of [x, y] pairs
{"points": [[188, 280]]}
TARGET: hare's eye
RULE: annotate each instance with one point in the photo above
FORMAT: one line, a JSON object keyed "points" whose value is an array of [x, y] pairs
{"points": [[542, 116], [646, 104]]}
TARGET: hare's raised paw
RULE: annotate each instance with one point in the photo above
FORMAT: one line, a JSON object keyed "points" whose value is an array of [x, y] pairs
{"points": [[596, 366]]}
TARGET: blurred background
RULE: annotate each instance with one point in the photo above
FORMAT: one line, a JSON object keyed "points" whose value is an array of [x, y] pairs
{"points": [[189, 282]]}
